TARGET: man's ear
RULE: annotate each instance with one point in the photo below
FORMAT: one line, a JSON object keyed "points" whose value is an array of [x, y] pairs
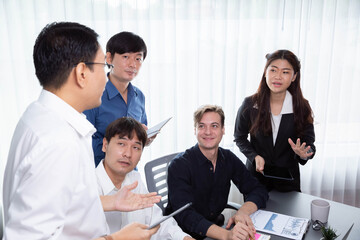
{"points": [[80, 74], [105, 144], [223, 130], [108, 58]]}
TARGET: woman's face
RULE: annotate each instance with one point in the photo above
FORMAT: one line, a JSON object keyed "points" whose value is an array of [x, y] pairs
{"points": [[279, 76]]}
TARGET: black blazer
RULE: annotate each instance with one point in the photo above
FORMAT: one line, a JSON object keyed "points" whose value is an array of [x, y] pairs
{"points": [[280, 155]]}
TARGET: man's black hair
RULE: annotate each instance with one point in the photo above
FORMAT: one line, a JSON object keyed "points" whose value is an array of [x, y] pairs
{"points": [[126, 126], [59, 47], [126, 42]]}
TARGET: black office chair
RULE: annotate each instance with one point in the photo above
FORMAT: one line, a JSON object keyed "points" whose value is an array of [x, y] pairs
{"points": [[156, 175]]}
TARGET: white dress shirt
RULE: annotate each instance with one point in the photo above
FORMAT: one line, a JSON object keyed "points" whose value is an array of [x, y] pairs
{"points": [[49, 182], [117, 220], [287, 108]]}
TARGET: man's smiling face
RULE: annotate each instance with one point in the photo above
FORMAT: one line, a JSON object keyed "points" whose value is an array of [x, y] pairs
{"points": [[209, 131]]}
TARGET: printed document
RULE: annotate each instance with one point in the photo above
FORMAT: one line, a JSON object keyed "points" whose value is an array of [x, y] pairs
{"points": [[279, 224], [260, 236]]}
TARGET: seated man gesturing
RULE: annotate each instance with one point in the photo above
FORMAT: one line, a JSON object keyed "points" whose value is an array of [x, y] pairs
{"points": [[123, 144]]}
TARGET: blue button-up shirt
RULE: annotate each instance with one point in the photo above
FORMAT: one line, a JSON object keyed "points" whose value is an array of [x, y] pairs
{"points": [[191, 178], [112, 107]]}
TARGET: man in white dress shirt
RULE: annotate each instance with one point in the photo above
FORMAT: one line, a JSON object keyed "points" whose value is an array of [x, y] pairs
{"points": [[123, 144], [49, 182]]}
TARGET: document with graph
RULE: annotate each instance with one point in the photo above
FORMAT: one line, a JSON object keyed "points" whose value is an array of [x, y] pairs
{"points": [[280, 224]]}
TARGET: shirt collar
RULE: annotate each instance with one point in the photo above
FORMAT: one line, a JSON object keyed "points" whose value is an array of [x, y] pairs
{"points": [[201, 157], [104, 180], [288, 104], [75, 119], [113, 92]]}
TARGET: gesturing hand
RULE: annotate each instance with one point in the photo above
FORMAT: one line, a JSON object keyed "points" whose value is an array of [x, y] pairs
{"points": [[127, 201], [300, 149]]}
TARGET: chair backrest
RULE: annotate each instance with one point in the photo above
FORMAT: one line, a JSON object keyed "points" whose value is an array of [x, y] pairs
{"points": [[156, 175]]}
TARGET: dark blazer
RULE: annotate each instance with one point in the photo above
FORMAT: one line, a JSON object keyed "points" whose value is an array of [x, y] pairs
{"points": [[280, 155]]}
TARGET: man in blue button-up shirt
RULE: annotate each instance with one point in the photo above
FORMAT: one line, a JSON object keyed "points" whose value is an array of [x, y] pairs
{"points": [[202, 175], [125, 51]]}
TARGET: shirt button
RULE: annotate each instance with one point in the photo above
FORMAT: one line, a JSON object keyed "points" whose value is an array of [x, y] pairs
{"points": [[211, 169]]}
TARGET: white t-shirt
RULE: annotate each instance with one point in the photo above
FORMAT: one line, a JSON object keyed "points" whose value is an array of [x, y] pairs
{"points": [[117, 220], [49, 182]]}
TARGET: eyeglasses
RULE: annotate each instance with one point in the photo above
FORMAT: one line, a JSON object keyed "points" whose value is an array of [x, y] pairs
{"points": [[317, 225], [109, 66]]}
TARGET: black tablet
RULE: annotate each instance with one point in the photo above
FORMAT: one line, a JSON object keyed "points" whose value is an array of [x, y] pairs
{"points": [[278, 173], [169, 216]]}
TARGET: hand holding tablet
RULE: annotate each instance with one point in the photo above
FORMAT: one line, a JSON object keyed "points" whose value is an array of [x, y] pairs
{"points": [[169, 216]]}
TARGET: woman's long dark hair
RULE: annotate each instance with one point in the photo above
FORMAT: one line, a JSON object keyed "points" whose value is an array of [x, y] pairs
{"points": [[301, 107]]}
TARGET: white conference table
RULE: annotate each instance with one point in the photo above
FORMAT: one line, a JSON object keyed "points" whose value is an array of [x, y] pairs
{"points": [[297, 204]]}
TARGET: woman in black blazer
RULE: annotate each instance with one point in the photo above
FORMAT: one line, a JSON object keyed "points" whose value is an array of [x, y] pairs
{"points": [[280, 123]]}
